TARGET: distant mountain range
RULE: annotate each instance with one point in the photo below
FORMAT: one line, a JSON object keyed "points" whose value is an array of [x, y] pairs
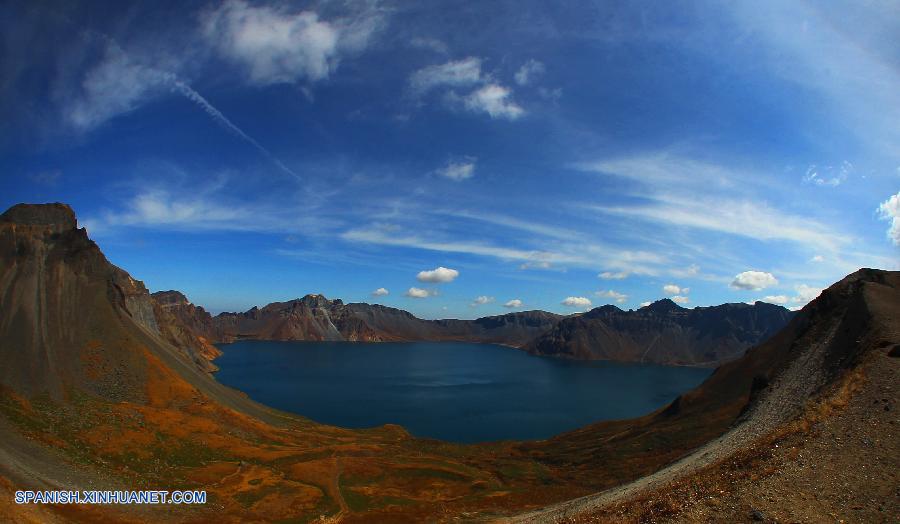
{"points": [[661, 333]]}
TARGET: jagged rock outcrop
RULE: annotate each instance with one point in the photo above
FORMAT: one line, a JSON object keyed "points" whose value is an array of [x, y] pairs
{"points": [[186, 326], [663, 333]]}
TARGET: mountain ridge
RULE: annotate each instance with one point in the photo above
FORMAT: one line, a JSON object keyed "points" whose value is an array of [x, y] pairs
{"points": [[316, 318]]}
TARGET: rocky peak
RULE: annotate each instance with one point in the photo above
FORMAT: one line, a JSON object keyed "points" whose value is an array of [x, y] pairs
{"points": [[601, 311], [318, 301], [171, 298], [58, 217], [663, 306]]}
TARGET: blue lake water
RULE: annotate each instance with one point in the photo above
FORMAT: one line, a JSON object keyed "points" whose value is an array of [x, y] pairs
{"points": [[451, 391]]}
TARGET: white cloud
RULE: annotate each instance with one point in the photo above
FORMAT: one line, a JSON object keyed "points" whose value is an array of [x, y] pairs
{"points": [[577, 302], [458, 73], [831, 176], [528, 71], [487, 97], [678, 299], [612, 294], [611, 275], [380, 292], [890, 210], [493, 99], [805, 294], [754, 280], [415, 292], [672, 289], [514, 303], [645, 304], [776, 299], [276, 46], [458, 170], [482, 300], [439, 275], [817, 258]]}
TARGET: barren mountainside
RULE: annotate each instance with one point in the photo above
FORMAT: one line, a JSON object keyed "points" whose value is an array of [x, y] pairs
{"points": [[317, 318], [663, 333]]}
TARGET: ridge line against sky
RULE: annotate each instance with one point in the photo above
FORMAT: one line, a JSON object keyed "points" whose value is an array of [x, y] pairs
{"points": [[555, 157]]}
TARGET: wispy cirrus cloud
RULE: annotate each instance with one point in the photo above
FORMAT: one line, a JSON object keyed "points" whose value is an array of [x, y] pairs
{"points": [[828, 175], [736, 217], [455, 73], [670, 184], [529, 71], [576, 254]]}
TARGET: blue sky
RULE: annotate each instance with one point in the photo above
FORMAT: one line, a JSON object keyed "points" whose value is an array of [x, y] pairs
{"points": [[468, 158]]}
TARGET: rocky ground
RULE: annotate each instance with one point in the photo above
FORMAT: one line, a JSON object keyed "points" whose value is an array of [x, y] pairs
{"points": [[837, 462]]}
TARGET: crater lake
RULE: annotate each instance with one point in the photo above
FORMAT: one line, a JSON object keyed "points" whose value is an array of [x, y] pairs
{"points": [[452, 391]]}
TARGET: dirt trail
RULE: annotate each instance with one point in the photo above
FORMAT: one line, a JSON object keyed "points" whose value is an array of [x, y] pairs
{"points": [[779, 403], [335, 489]]}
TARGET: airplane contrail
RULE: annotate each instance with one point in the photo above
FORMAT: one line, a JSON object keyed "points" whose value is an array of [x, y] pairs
{"points": [[192, 95]]}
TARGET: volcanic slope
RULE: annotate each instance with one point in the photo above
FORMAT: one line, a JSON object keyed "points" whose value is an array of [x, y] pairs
{"points": [[817, 441]]}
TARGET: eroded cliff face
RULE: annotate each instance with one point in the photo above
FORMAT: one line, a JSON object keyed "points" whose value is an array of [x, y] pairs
{"points": [[65, 307], [663, 333], [187, 326]]}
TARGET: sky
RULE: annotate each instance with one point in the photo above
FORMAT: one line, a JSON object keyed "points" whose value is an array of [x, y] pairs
{"points": [[463, 159]]}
